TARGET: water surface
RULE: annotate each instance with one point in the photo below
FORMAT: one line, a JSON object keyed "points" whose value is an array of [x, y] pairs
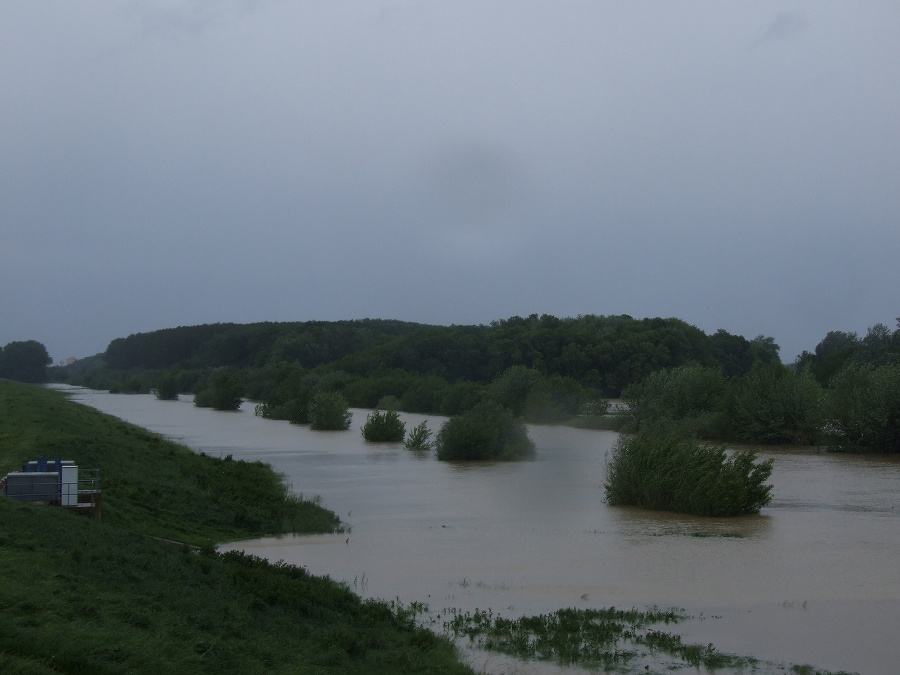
{"points": [[813, 579]]}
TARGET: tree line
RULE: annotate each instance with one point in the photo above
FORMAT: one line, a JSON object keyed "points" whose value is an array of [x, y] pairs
{"points": [[600, 353], [845, 395], [672, 376]]}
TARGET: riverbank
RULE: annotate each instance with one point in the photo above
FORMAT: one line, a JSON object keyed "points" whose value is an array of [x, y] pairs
{"points": [[82, 595]]}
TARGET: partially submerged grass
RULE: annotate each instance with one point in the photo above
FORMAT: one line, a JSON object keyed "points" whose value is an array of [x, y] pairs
{"points": [[612, 640], [609, 639]]}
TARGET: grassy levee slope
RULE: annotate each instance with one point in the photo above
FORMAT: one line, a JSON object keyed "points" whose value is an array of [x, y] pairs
{"points": [[86, 596]]}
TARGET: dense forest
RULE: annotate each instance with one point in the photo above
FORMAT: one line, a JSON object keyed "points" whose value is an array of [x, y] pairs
{"points": [[602, 353], [544, 369]]}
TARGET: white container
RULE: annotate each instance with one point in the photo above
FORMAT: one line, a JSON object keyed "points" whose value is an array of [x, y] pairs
{"points": [[69, 485]]}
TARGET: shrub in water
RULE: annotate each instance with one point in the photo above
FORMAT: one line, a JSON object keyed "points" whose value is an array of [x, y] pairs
{"points": [[670, 473], [167, 387], [329, 411], [419, 438], [222, 393], [486, 432], [384, 427]]}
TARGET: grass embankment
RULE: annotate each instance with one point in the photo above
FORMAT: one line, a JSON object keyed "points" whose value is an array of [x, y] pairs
{"points": [[88, 596]]}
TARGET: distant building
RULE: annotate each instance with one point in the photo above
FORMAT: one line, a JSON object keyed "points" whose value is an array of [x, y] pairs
{"points": [[68, 362]]}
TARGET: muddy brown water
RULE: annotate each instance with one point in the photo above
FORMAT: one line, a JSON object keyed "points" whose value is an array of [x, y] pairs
{"points": [[814, 579]]}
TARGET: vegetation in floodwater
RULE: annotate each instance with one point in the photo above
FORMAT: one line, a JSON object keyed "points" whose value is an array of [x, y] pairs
{"points": [[612, 640], [487, 432], [384, 427], [122, 595], [419, 438], [670, 473], [329, 411]]}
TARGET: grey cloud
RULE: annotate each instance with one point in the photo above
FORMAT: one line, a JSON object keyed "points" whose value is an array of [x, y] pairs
{"points": [[446, 162], [785, 26]]}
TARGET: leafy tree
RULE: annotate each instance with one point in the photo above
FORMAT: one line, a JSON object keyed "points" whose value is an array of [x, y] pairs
{"points": [[764, 349], [459, 397], [863, 409], [671, 473], [223, 392], [296, 409], [486, 432], [831, 354], [511, 389], [329, 411], [687, 401], [24, 361], [384, 427], [877, 348], [424, 393], [554, 398], [419, 438], [167, 387], [775, 405]]}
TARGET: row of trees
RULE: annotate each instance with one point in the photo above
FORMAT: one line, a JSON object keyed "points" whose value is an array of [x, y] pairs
{"points": [[718, 386], [856, 408], [600, 353], [491, 429]]}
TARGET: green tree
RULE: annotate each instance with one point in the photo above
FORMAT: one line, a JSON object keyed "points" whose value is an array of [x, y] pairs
{"points": [[671, 473], [830, 355], [223, 392], [687, 401], [775, 405], [877, 348], [167, 387], [863, 409], [554, 398], [329, 411], [486, 432], [24, 361], [512, 387], [384, 427], [419, 438]]}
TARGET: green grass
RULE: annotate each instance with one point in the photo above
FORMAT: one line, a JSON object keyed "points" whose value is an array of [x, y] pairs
{"points": [[610, 639], [151, 485], [87, 596]]}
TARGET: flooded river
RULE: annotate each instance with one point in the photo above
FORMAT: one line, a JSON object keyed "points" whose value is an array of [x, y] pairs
{"points": [[814, 579]]}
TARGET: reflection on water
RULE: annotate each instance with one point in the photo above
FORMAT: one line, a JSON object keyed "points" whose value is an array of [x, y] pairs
{"points": [[815, 578]]}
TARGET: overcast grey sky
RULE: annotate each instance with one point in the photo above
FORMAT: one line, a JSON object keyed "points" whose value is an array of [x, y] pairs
{"points": [[165, 163]]}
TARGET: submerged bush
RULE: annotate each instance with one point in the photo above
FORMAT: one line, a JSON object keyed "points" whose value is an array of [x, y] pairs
{"points": [[329, 411], [486, 432], [223, 392], [669, 473], [384, 427], [167, 387], [419, 438]]}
